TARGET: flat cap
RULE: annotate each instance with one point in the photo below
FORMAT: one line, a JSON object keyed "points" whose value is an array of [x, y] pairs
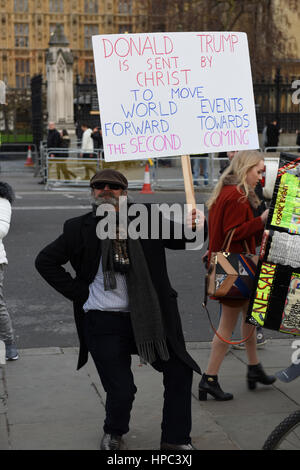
{"points": [[109, 175]]}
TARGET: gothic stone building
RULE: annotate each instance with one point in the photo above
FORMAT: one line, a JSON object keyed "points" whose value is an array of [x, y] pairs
{"points": [[27, 25]]}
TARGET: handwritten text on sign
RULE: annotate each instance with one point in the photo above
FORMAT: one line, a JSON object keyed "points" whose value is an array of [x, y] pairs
{"points": [[165, 94]]}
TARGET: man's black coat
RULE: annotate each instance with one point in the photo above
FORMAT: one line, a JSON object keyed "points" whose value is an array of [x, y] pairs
{"points": [[272, 135], [53, 139], [80, 245]]}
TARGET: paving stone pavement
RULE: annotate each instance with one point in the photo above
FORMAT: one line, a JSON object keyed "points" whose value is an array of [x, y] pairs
{"points": [[45, 404]]}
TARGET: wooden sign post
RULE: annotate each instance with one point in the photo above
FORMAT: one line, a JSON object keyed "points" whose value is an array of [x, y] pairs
{"points": [[188, 180]]}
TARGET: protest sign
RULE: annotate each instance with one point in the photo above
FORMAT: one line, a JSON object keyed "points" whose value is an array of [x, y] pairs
{"points": [[167, 94], [275, 301]]}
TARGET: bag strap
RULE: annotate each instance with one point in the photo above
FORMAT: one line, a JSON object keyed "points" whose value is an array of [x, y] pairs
{"points": [[228, 240], [217, 334], [246, 246]]}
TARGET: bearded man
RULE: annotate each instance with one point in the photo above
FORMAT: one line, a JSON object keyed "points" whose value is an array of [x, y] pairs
{"points": [[124, 304]]}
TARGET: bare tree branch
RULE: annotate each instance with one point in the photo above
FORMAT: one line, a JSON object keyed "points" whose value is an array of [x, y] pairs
{"points": [[266, 23]]}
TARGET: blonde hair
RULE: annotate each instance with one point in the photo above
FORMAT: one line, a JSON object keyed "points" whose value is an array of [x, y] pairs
{"points": [[239, 166]]}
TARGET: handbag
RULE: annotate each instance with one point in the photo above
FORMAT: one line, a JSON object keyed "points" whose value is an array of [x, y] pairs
{"points": [[231, 275]]}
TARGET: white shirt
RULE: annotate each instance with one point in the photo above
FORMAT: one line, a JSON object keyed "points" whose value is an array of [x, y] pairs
{"points": [[87, 144], [115, 300]]}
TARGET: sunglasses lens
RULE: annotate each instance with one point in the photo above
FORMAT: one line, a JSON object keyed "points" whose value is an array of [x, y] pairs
{"points": [[102, 186], [98, 185]]}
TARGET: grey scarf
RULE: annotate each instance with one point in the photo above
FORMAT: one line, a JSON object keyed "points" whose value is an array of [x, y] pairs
{"points": [[145, 311]]}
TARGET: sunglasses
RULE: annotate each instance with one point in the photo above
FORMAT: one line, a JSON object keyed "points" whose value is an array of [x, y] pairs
{"points": [[99, 185]]}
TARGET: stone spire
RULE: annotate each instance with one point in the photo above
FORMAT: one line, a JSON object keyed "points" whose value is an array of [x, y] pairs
{"points": [[58, 38], [59, 66]]}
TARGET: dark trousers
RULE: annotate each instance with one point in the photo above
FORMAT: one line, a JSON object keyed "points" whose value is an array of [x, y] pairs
{"points": [[110, 340]]}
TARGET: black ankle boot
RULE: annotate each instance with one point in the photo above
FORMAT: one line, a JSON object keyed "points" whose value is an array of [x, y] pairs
{"points": [[210, 384], [257, 374]]}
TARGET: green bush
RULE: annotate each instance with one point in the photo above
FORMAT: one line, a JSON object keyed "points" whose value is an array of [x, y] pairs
{"points": [[18, 138]]}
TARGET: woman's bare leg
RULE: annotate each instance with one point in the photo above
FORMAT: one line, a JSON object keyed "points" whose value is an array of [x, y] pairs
{"points": [[228, 321], [250, 344]]}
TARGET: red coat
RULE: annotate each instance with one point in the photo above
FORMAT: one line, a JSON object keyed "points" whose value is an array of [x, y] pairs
{"points": [[233, 210]]}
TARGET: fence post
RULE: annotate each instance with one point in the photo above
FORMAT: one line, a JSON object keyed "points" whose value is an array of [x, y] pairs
{"points": [[278, 92]]}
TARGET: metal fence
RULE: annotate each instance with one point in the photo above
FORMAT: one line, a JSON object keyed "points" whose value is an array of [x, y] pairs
{"points": [[66, 166], [285, 148], [74, 172], [61, 168]]}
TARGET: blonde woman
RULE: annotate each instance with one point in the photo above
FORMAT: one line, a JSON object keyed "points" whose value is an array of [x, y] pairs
{"points": [[231, 206]]}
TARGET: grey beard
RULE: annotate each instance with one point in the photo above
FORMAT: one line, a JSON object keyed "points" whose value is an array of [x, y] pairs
{"points": [[97, 201]]}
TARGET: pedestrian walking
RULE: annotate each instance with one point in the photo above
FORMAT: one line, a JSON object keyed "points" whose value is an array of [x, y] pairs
{"points": [[124, 304], [231, 206], [53, 142], [53, 138], [200, 162], [97, 138], [223, 163], [273, 133], [257, 211], [87, 149], [6, 328], [61, 166]]}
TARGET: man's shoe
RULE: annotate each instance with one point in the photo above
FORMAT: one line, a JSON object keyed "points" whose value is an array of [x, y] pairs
{"points": [[260, 339], [11, 352], [166, 446], [240, 346], [111, 442]]}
